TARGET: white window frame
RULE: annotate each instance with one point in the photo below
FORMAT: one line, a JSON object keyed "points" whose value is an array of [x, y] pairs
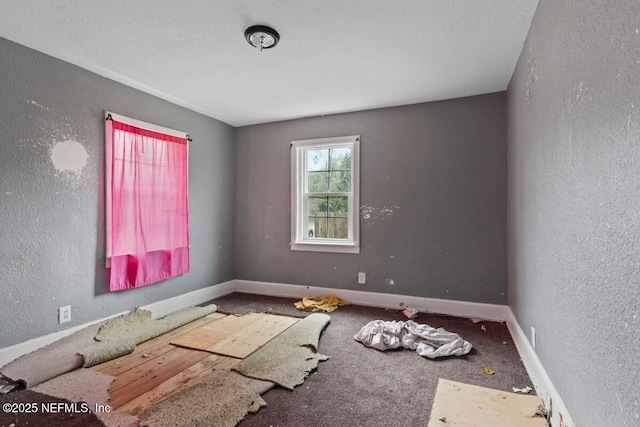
{"points": [[300, 240]]}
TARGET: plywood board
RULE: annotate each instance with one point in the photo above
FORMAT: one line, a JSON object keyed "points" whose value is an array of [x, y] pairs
{"points": [[464, 405], [207, 335], [247, 340]]}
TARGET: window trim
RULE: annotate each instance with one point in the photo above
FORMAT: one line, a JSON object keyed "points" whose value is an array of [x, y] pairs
{"points": [[299, 237]]}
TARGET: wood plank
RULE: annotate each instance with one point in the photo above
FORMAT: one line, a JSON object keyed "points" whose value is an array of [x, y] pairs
{"points": [[148, 367], [247, 340], [153, 344], [465, 405], [179, 381], [130, 361], [148, 375], [207, 335]]}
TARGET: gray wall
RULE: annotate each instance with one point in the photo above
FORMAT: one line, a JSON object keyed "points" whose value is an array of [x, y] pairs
{"points": [[574, 203], [440, 167], [52, 210]]}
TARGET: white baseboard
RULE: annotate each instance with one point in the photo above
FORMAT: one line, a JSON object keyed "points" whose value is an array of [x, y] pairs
{"points": [[494, 312], [541, 381], [158, 309], [199, 296], [11, 353]]}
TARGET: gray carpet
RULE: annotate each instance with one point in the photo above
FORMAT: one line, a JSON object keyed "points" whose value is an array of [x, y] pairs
{"points": [[363, 386]]}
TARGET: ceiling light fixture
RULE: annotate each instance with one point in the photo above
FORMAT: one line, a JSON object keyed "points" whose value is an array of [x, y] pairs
{"points": [[262, 36]]}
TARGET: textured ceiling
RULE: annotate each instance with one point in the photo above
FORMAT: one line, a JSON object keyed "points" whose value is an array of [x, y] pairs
{"points": [[334, 55]]}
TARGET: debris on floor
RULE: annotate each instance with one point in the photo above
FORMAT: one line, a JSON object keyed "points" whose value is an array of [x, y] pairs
{"points": [[7, 388], [525, 390], [409, 312], [327, 303], [488, 371], [484, 328], [466, 404], [424, 339]]}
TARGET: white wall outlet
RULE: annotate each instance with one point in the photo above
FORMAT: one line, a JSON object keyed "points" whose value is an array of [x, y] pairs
{"points": [[64, 314], [362, 278], [533, 337]]}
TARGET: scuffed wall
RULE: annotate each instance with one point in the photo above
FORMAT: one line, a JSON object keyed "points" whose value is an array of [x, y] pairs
{"points": [[52, 199], [574, 203], [433, 201]]}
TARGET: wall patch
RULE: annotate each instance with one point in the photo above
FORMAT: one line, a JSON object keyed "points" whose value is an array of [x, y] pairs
{"points": [[69, 157]]}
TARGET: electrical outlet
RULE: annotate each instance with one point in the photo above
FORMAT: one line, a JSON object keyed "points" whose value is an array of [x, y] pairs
{"points": [[362, 278], [64, 314], [533, 337]]}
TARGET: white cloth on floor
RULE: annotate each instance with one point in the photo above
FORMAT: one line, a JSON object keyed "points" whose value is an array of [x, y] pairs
{"points": [[425, 340], [381, 335]]}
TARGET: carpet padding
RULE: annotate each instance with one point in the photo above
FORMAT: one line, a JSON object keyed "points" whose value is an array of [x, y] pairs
{"points": [[289, 358], [219, 400]]}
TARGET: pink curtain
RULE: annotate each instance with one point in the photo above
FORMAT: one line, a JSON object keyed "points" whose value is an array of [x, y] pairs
{"points": [[147, 221]]}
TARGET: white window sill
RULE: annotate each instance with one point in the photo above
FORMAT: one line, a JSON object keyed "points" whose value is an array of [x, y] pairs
{"points": [[326, 247]]}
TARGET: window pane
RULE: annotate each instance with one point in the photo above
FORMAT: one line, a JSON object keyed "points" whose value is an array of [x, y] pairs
{"points": [[338, 228], [320, 227], [338, 207], [340, 181], [318, 160], [341, 158], [318, 182], [317, 206]]}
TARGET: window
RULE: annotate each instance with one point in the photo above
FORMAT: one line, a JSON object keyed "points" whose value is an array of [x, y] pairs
{"points": [[146, 201], [325, 194]]}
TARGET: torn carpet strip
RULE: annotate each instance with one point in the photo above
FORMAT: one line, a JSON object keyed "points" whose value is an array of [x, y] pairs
{"points": [[288, 358], [218, 400], [120, 336], [328, 303]]}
